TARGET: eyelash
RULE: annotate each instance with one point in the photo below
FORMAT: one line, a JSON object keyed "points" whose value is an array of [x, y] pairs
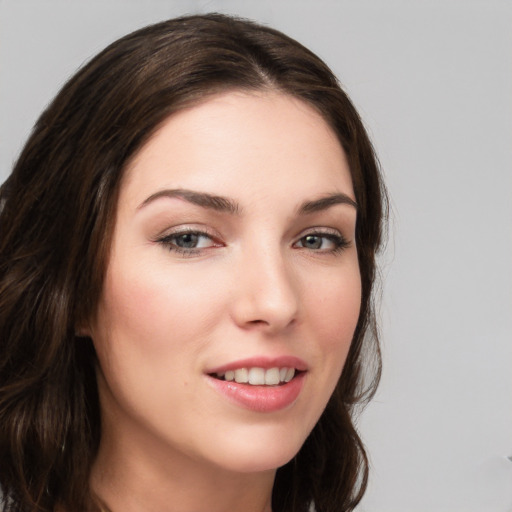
{"points": [[339, 241], [169, 241]]}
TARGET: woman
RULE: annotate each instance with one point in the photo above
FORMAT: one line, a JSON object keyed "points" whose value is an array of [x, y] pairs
{"points": [[187, 261]]}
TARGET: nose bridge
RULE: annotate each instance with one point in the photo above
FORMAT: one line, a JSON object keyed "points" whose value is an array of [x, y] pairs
{"points": [[268, 291]]}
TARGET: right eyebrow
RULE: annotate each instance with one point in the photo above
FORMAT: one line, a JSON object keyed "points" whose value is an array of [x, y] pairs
{"points": [[217, 203]]}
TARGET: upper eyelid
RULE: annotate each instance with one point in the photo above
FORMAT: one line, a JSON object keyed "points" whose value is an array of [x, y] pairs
{"points": [[182, 230], [216, 236], [177, 234], [319, 230]]}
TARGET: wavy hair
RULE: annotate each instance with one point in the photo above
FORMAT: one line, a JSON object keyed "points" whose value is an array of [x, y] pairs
{"points": [[57, 213]]}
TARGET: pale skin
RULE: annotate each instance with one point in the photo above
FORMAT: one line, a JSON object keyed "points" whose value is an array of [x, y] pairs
{"points": [[270, 270]]}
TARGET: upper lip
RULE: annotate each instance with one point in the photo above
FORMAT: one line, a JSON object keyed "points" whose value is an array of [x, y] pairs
{"points": [[262, 362]]}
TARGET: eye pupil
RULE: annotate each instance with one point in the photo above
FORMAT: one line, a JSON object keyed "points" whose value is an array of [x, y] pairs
{"points": [[187, 240], [313, 241]]}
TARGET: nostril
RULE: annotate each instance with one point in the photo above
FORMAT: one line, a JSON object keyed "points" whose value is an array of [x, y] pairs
{"points": [[258, 322]]}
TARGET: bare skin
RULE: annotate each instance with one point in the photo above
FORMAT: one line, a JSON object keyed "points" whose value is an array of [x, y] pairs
{"points": [[268, 272]]}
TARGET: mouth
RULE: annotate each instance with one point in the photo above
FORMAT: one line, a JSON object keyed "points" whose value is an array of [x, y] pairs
{"points": [[262, 384], [256, 376]]}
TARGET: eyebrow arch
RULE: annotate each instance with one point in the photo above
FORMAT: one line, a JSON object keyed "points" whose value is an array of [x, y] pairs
{"points": [[325, 202], [217, 203]]}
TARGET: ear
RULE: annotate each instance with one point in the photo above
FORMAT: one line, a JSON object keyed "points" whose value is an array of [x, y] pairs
{"points": [[83, 329]]}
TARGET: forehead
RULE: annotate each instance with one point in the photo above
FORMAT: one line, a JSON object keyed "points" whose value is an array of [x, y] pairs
{"points": [[241, 139]]}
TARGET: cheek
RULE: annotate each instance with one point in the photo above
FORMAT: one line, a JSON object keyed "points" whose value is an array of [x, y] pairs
{"points": [[336, 302], [153, 315], [334, 311], [151, 329]]}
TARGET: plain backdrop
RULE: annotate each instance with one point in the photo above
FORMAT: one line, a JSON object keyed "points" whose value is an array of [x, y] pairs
{"points": [[433, 82]]}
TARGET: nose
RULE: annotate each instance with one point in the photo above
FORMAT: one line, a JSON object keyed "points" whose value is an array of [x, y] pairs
{"points": [[266, 293]]}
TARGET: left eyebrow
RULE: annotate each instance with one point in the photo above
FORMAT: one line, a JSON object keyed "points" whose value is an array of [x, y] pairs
{"points": [[325, 202]]}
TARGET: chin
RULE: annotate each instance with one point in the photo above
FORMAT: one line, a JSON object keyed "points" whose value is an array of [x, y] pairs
{"points": [[258, 464], [261, 451]]}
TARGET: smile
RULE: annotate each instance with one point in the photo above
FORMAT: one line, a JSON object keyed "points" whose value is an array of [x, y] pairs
{"points": [[260, 384], [258, 376]]}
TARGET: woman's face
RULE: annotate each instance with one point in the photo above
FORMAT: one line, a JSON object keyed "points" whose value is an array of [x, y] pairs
{"points": [[233, 259]]}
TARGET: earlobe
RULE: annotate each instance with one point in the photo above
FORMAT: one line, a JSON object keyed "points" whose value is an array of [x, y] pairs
{"points": [[83, 330]]}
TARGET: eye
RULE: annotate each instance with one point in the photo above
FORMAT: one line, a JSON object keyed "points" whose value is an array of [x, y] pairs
{"points": [[192, 240], [188, 242], [322, 242]]}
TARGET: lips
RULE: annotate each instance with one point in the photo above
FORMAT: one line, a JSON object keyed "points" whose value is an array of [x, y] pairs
{"points": [[260, 384]]}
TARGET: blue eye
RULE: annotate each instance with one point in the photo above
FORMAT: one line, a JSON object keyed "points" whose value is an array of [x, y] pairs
{"points": [[322, 242], [314, 242], [187, 242]]}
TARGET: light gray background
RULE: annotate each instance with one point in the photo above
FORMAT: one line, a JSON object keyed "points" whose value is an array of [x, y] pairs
{"points": [[433, 81]]}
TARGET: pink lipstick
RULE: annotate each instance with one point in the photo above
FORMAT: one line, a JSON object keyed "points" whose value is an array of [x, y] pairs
{"points": [[260, 384]]}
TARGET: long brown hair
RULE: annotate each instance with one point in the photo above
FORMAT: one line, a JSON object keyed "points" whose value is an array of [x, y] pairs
{"points": [[56, 222]]}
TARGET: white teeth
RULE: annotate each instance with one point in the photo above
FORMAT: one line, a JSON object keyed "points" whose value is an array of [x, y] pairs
{"points": [[272, 377], [259, 376], [289, 374], [242, 375]]}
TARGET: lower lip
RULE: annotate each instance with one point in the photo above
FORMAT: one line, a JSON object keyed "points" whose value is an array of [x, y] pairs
{"points": [[260, 398]]}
